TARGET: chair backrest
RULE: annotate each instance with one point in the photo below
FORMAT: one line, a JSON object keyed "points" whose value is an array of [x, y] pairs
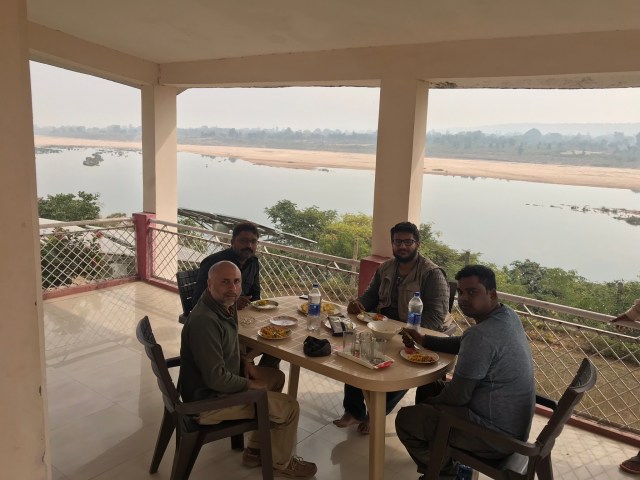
{"points": [[584, 380], [145, 336], [453, 288], [186, 285]]}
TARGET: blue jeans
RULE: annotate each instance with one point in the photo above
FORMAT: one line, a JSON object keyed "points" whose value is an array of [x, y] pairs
{"points": [[354, 405]]}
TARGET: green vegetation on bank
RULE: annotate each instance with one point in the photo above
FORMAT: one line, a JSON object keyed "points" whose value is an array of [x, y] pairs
{"points": [[68, 207]]}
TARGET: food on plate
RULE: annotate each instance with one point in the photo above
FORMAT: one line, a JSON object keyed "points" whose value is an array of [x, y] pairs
{"points": [[376, 317], [274, 332], [325, 307], [421, 357], [360, 316], [264, 304]]}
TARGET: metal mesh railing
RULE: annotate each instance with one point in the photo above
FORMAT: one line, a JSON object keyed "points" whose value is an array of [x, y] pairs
{"points": [[283, 270], [80, 253], [560, 337]]}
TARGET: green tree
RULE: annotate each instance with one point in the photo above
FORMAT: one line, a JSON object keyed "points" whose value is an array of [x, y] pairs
{"points": [[340, 236], [67, 207], [310, 222], [450, 259]]}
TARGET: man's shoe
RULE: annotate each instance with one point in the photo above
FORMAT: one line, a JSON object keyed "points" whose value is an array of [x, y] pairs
{"points": [[251, 458], [297, 468]]}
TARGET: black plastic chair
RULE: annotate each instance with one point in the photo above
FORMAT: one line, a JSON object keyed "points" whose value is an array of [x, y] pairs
{"points": [[186, 285], [179, 416], [527, 459]]}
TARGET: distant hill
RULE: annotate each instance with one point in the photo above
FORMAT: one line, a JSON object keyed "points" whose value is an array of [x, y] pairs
{"points": [[593, 129]]}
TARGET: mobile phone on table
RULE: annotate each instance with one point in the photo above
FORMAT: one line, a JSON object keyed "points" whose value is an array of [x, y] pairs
{"points": [[304, 297]]}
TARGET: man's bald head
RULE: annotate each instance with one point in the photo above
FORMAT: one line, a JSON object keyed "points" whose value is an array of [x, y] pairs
{"points": [[224, 283]]}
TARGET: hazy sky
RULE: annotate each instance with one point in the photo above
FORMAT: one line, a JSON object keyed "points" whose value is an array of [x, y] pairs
{"points": [[62, 97]]}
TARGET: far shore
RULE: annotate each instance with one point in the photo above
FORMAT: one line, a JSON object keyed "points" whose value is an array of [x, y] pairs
{"points": [[625, 178]]}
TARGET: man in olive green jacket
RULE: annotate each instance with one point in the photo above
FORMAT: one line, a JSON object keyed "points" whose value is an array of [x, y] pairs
{"points": [[210, 367]]}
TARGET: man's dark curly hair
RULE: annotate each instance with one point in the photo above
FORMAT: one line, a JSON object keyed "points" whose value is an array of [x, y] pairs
{"points": [[406, 227]]}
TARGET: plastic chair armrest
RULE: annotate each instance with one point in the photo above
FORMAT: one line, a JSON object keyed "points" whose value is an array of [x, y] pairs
{"points": [[173, 362], [242, 398], [496, 438], [546, 402]]}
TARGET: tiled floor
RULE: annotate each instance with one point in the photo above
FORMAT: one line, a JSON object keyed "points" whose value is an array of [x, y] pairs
{"points": [[105, 408]]}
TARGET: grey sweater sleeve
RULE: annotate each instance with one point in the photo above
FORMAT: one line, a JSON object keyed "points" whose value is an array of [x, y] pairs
{"points": [[456, 393], [442, 344]]}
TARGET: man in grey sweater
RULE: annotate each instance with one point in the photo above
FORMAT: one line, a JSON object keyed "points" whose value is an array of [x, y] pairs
{"points": [[492, 383], [210, 367]]}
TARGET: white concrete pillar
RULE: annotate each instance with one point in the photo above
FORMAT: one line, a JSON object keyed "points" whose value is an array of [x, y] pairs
{"points": [[23, 435], [402, 126], [160, 174], [159, 152]]}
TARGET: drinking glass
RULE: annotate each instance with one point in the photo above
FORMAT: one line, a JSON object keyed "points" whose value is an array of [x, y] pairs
{"points": [[347, 341], [378, 350], [365, 345]]}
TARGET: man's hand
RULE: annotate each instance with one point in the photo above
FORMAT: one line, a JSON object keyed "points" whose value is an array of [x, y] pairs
{"points": [[355, 307], [410, 337], [243, 302], [250, 370], [256, 385]]}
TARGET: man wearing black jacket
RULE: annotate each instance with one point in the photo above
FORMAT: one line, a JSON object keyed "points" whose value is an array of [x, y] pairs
{"points": [[242, 252]]}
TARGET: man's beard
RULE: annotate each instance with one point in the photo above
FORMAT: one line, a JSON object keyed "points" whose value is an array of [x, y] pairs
{"points": [[406, 259]]}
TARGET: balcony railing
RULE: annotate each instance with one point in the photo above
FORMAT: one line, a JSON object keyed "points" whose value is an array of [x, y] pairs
{"points": [[283, 270], [84, 253], [559, 336]]}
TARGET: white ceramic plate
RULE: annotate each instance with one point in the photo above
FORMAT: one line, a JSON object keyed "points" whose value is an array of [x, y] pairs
{"points": [[372, 317], [267, 333], [283, 321], [264, 304], [409, 356], [326, 308]]}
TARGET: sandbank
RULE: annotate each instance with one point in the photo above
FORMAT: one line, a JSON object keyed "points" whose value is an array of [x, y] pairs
{"points": [[625, 178]]}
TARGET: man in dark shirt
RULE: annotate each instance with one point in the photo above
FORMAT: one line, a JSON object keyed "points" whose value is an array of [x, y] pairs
{"points": [[242, 253], [244, 241]]}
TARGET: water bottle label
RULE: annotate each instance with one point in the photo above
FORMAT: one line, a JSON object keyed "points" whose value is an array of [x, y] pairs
{"points": [[414, 320], [314, 309]]}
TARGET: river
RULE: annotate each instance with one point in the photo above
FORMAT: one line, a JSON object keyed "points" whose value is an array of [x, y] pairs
{"points": [[504, 220]]}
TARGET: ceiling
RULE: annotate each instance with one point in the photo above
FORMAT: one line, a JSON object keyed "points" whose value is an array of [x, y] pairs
{"points": [[165, 31]]}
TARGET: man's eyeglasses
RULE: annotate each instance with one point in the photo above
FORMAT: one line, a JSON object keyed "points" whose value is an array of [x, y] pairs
{"points": [[407, 242]]}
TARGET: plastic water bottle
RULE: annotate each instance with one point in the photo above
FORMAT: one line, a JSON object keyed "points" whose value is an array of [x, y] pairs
{"points": [[464, 472], [415, 312], [313, 312]]}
